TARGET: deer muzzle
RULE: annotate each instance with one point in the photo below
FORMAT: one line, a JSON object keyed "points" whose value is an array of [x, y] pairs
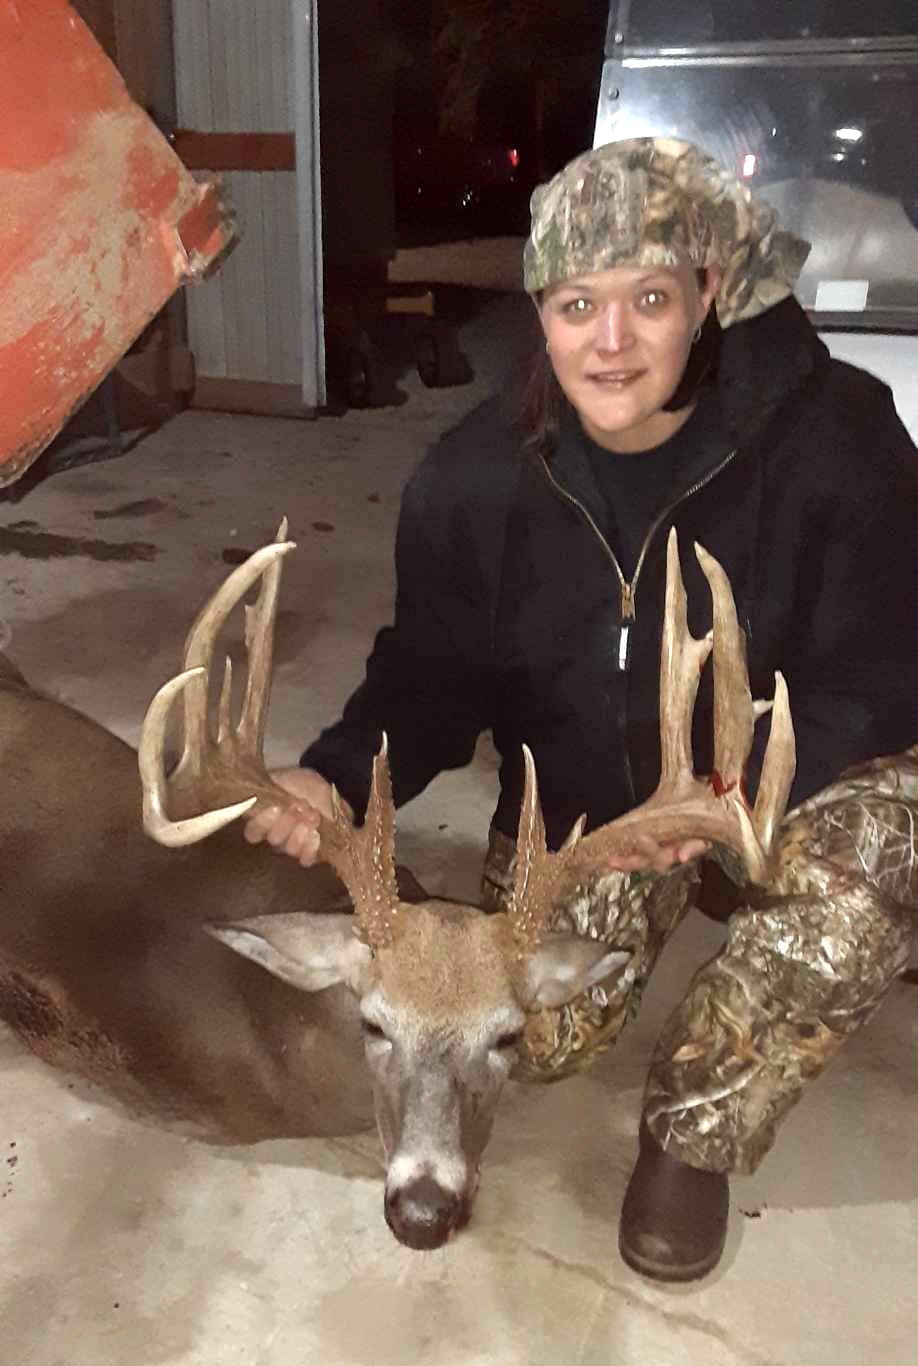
{"points": [[423, 1215]]}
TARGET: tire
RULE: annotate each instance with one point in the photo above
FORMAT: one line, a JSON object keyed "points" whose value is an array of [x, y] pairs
{"points": [[441, 365], [367, 380], [429, 360]]}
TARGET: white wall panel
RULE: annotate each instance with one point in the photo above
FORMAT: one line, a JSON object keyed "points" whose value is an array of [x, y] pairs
{"points": [[232, 65], [272, 21], [207, 326], [219, 38], [190, 19], [234, 73], [279, 208]]}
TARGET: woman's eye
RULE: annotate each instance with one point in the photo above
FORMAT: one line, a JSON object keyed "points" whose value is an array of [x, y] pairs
{"points": [[576, 307], [653, 299], [371, 1030]]}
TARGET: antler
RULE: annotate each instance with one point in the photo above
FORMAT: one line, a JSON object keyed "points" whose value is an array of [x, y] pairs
{"points": [[230, 767], [683, 807], [538, 873]]}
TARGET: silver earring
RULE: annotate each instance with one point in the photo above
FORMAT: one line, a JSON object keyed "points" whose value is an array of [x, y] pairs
{"points": [[696, 335], [548, 348]]}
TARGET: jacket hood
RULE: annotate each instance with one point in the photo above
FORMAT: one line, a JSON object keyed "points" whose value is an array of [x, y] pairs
{"points": [[762, 364]]}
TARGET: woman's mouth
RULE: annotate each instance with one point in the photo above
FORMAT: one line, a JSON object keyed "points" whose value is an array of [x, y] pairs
{"points": [[615, 379]]}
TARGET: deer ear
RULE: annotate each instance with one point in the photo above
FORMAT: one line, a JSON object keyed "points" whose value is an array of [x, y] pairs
{"points": [[311, 952], [563, 966]]}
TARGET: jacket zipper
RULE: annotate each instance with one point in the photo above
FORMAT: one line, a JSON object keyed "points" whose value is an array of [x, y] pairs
{"points": [[629, 590]]}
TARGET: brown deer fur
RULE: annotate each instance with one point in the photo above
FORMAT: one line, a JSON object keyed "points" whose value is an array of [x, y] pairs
{"points": [[105, 968]]}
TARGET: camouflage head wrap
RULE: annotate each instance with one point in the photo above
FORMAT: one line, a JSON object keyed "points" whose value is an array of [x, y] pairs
{"points": [[661, 202]]}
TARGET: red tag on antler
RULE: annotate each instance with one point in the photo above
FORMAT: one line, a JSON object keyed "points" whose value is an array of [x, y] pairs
{"points": [[721, 788]]}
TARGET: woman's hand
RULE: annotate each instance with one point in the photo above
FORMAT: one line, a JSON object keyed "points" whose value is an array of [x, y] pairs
{"points": [[658, 858], [293, 829]]}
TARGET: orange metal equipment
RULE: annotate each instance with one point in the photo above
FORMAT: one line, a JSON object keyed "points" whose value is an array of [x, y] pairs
{"points": [[99, 223]]}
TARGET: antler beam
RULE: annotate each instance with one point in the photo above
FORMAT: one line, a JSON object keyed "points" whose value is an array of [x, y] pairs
{"points": [[683, 807], [225, 773]]}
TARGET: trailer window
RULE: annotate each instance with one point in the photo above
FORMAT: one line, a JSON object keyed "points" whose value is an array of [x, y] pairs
{"points": [[691, 23], [831, 147]]}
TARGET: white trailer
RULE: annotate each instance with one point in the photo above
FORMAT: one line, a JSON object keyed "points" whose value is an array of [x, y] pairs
{"points": [[816, 107]]}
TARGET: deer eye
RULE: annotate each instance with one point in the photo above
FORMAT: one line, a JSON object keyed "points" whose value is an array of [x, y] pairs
{"points": [[371, 1030], [508, 1040]]}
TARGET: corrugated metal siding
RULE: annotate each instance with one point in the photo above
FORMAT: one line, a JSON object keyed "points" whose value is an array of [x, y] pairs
{"points": [[232, 61]]}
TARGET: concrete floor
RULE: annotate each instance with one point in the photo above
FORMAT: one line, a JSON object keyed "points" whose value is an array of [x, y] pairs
{"points": [[124, 1246]]}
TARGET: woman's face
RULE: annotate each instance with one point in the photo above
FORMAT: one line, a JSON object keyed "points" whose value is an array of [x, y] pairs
{"points": [[619, 341]]}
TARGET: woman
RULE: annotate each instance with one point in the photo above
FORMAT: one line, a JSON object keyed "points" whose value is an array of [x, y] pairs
{"points": [[681, 384]]}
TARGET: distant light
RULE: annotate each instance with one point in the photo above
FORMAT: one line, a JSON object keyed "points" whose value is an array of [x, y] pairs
{"points": [[750, 160], [849, 134], [839, 156], [513, 156]]}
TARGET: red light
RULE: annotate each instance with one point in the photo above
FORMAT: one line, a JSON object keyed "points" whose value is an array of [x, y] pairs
{"points": [[513, 157]]}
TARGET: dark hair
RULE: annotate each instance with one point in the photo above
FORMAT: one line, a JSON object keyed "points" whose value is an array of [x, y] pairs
{"points": [[701, 364], [543, 401]]}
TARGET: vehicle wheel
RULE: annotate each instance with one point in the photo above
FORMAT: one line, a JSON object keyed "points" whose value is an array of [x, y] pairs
{"points": [[365, 378], [429, 360], [441, 364]]}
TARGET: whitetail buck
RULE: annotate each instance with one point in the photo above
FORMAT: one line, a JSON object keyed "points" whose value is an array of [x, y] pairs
{"points": [[342, 998]]}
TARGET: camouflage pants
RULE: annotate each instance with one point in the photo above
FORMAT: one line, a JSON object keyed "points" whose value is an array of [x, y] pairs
{"points": [[806, 962]]}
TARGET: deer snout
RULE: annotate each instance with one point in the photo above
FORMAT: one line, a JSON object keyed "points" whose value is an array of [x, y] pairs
{"points": [[422, 1215]]}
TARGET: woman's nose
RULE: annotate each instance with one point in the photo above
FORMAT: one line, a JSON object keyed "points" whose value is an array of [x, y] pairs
{"points": [[614, 330]]}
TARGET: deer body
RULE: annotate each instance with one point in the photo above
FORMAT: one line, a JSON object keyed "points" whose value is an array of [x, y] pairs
{"points": [[239, 996], [105, 968]]}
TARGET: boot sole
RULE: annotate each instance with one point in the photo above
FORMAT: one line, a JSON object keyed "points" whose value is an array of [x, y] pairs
{"points": [[664, 1271]]}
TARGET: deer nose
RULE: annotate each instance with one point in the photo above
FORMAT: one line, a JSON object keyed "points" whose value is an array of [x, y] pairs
{"points": [[422, 1214]]}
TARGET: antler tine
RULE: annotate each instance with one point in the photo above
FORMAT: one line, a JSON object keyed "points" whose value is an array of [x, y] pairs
{"points": [[364, 858], [259, 640], [201, 643], [682, 658], [522, 912], [538, 872], [733, 710], [224, 712], [685, 807], [151, 761], [778, 767], [210, 769]]}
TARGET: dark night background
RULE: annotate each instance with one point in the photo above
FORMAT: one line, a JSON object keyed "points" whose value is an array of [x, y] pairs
{"points": [[489, 98]]}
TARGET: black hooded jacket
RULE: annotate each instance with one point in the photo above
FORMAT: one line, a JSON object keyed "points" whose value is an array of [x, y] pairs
{"points": [[509, 607]]}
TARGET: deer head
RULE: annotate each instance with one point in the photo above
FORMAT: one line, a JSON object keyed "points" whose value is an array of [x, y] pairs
{"points": [[442, 989]]}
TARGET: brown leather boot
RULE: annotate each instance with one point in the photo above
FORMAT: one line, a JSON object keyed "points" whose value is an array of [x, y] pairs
{"points": [[674, 1217]]}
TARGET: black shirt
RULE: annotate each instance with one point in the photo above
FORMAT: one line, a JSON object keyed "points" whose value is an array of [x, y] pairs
{"points": [[635, 486]]}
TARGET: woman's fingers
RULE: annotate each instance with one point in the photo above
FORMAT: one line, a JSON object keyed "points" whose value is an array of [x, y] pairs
{"points": [[259, 823], [692, 849], [309, 847], [281, 829], [292, 829], [654, 857]]}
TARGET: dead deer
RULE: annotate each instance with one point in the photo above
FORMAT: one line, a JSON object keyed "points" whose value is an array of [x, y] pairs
{"points": [[343, 997]]}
